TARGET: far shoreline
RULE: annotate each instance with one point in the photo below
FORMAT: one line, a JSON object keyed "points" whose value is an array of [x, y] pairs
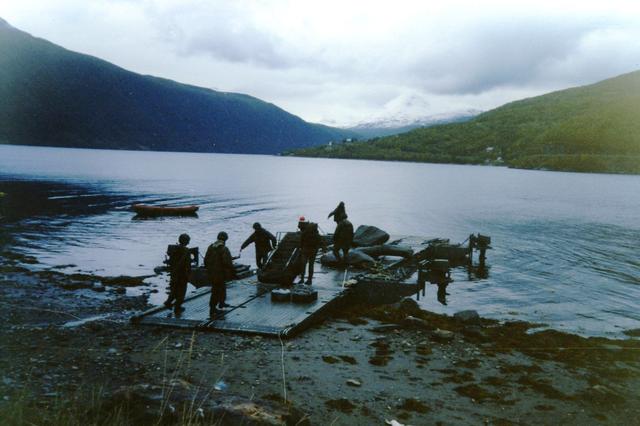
{"points": [[293, 155]]}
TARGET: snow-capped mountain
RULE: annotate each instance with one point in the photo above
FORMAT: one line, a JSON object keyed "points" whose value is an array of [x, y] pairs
{"points": [[400, 124]]}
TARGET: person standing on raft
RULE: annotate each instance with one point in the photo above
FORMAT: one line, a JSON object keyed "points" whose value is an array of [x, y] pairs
{"points": [[309, 245], [264, 241], [342, 240], [179, 270], [338, 213], [219, 265]]}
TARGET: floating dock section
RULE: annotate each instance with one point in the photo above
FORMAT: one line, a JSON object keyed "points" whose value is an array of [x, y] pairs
{"points": [[255, 310], [252, 309]]}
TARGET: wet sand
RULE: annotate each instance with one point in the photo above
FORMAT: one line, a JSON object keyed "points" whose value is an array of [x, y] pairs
{"points": [[363, 366]]}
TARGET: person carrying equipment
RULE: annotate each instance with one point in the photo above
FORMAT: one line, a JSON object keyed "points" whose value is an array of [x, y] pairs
{"points": [[179, 270], [220, 269], [264, 241], [309, 243]]}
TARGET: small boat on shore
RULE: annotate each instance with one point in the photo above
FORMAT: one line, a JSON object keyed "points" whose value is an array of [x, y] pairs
{"points": [[148, 210]]}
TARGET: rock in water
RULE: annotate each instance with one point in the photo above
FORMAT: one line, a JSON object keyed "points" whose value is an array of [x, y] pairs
{"points": [[415, 322], [467, 316], [367, 235], [98, 286], [408, 306], [442, 335]]}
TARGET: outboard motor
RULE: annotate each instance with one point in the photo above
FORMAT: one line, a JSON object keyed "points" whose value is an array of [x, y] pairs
{"points": [[436, 271], [481, 243]]}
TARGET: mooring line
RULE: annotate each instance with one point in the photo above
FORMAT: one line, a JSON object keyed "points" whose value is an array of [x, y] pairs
{"points": [[284, 379]]}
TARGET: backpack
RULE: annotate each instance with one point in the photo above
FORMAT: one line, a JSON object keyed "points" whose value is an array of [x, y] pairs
{"points": [[173, 255], [176, 257], [310, 236]]}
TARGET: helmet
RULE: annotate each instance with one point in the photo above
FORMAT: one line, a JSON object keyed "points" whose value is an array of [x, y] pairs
{"points": [[302, 219], [257, 226], [223, 236], [184, 239]]}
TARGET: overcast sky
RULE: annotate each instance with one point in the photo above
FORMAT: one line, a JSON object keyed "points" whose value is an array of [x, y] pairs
{"points": [[342, 62]]}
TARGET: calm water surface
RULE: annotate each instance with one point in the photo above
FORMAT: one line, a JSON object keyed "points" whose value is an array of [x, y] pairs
{"points": [[565, 244]]}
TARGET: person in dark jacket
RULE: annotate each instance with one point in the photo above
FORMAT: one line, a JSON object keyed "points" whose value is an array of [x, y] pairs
{"points": [[219, 266], [309, 244], [338, 213], [179, 270], [264, 241], [342, 239]]}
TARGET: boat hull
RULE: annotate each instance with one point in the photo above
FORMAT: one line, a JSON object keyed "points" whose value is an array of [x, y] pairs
{"points": [[147, 210]]}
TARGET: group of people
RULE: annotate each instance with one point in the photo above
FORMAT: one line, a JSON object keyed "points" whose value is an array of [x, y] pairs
{"points": [[310, 241], [218, 261]]}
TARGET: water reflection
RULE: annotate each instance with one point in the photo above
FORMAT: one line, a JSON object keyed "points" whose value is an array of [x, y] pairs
{"points": [[441, 277], [479, 272], [442, 293]]}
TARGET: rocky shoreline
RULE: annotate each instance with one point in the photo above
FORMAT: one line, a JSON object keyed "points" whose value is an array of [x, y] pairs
{"points": [[70, 356]]}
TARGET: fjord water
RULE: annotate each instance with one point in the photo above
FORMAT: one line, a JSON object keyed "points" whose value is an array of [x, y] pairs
{"points": [[565, 245]]}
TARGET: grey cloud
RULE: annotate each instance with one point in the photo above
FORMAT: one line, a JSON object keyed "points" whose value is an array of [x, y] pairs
{"points": [[503, 54], [424, 64], [222, 31], [242, 46]]}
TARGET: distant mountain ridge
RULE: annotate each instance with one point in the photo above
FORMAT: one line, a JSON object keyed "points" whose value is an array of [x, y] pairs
{"points": [[593, 128], [398, 124], [55, 97]]}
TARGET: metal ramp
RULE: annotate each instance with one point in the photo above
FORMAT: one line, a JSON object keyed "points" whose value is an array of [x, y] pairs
{"points": [[284, 262]]}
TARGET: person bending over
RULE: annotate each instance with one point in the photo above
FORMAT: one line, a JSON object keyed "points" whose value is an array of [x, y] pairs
{"points": [[264, 241]]}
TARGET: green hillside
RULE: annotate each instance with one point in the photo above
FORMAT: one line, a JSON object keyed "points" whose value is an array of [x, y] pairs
{"points": [[593, 128]]}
